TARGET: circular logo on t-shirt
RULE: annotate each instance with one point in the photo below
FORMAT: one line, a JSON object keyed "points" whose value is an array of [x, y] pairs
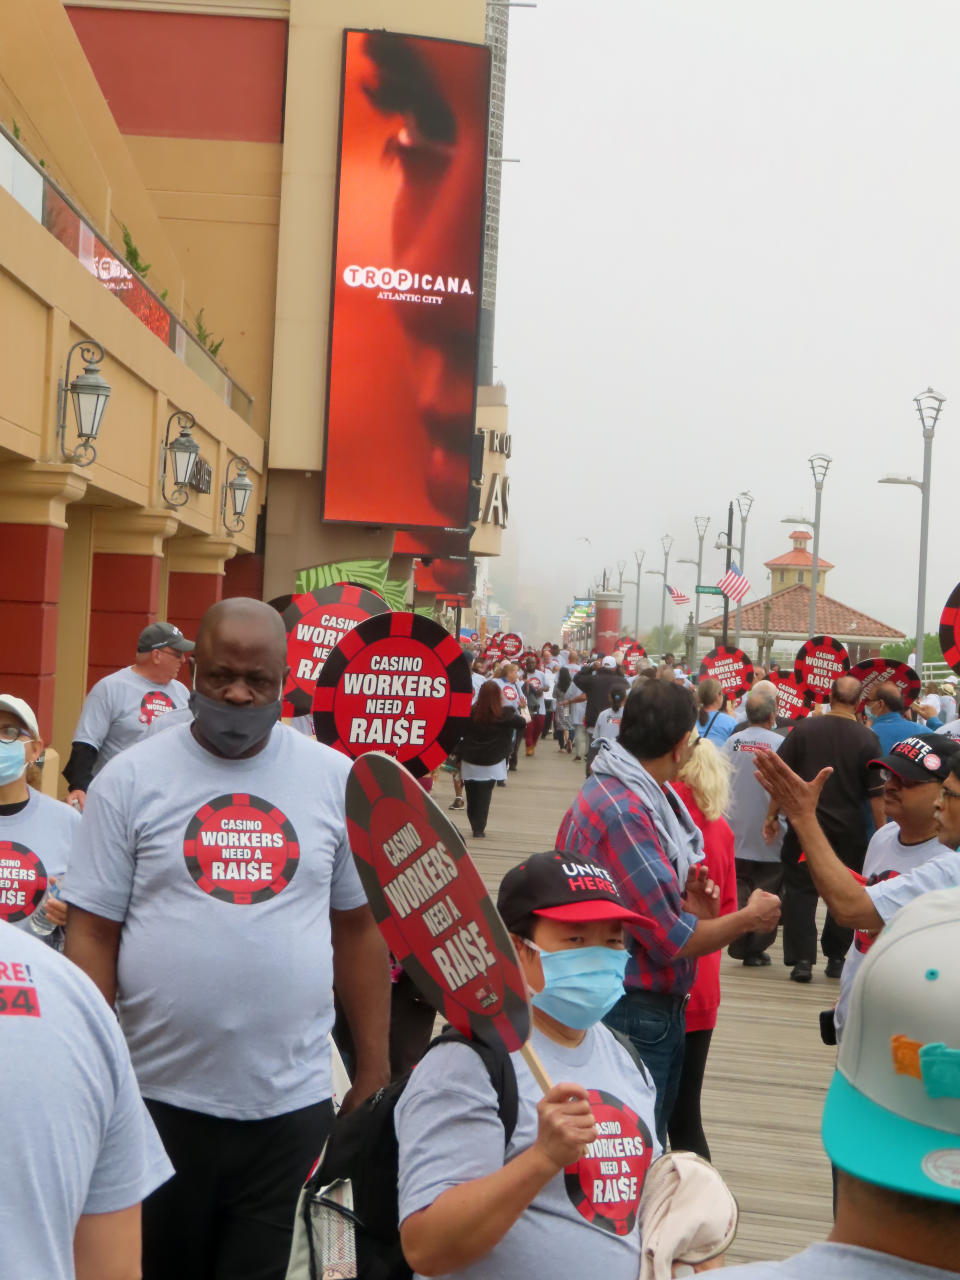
{"points": [[154, 703], [509, 693], [241, 849], [23, 881], [604, 1185]]}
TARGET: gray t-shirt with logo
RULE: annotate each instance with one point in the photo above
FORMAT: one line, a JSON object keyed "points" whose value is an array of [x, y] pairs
{"points": [[584, 1220], [749, 801], [35, 846], [223, 873], [77, 1138], [838, 1262], [120, 708], [887, 858]]}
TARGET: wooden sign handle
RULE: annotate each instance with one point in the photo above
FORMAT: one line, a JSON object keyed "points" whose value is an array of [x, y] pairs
{"points": [[536, 1067]]}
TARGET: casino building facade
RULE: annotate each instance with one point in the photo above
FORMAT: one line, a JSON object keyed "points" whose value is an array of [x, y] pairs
{"points": [[168, 189]]}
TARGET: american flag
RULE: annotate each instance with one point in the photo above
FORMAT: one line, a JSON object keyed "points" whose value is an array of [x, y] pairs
{"points": [[677, 596], [733, 584]]}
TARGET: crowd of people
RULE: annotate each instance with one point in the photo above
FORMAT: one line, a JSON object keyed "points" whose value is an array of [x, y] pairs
{"points": [[175, 1081]]}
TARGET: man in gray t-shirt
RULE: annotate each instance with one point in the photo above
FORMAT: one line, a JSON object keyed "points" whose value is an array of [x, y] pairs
{"points": [[79, 1151], [120, 708], [758, 863], [210, 892]]}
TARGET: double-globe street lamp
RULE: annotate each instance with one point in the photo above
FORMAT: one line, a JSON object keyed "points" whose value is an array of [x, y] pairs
{"points": [[819, 466], [929, 404]]}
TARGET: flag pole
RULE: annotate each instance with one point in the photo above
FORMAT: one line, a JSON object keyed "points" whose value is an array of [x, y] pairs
{"points": [[726, 598]]}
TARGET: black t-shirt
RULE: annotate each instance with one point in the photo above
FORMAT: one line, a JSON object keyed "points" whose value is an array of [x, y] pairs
{"points": [[845, 745]]}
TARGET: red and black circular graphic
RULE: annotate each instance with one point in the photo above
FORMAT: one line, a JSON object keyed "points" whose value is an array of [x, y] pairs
{"points": [[794, 699], [731, 667], [508, 693], [605, 1185], [631, 659], [818, 663], [316, 622], [154, 703], [23, 881], [950, 629], [511, 645], [396, 683], [876, 671], [431, 906], [241, 849]]}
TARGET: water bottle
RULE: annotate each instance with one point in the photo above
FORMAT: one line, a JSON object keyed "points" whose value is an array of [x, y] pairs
{"points": [[40, 922]]}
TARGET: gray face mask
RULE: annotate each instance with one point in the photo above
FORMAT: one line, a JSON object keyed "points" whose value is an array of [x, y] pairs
{"points": [[229, 729]]}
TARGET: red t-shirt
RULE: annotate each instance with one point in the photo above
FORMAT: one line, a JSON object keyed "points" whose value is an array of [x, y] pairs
{"points": [[718, 848]]}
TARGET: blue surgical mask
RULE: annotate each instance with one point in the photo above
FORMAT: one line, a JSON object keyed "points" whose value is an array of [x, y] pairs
{"points": [[580, 985], [13, 761]]}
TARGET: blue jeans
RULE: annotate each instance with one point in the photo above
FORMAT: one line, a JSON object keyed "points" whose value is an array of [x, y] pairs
{"points": [[656, 1025]]}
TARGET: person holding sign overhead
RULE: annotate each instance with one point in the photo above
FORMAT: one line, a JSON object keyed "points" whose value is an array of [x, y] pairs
{"points": [[563, 1198]]}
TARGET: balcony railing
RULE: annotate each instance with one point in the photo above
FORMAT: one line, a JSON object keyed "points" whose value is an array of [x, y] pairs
{"points": [[33, 188]]}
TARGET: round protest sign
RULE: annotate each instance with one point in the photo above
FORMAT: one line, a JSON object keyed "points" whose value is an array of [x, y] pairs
{"points": [[431, 906], [794, 699], [605, 1184], [631, 659], [316, 622], [950, 629], [241, 849], [397, 683], [511, 645], [876, 671], [818, 663], [731, 667], [23, 881]]}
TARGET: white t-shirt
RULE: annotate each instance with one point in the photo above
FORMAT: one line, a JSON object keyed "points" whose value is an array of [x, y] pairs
{"points": [[942, 871], [449, 1133], [223, 873], [948, 707], [77, 1138], [608, 724], [838, 1262], [119, 709], [950, 730], [35, 846], [478, 682], [749, 801], [886, 858]]}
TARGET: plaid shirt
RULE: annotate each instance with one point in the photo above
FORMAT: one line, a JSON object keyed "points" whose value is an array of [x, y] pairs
{"points": [[608, 824]]}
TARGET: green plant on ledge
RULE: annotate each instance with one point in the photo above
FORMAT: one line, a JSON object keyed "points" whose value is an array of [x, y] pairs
{"points": [[206, 337], [132, 253]]}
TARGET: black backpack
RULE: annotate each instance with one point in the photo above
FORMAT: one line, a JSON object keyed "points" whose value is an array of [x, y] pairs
{"points": [[362, 1151]]}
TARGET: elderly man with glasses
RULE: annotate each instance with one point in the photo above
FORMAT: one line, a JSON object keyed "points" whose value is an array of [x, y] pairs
{"points": [[912, 854], [121, 707]]}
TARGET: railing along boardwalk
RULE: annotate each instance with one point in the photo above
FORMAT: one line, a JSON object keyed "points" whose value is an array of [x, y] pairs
{"points": [[767, 1073]]}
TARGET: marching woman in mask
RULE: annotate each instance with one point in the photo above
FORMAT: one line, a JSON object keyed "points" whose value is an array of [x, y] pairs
{"points": [[36, 830], [542, 1204]]}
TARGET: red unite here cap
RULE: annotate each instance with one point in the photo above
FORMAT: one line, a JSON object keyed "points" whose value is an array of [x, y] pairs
{"points": [[560, 886]]}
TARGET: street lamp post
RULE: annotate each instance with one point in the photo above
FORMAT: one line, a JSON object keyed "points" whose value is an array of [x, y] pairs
{"points": [[819, 466], [929, 404], [744, 503], [725, 543], [666, 542]]}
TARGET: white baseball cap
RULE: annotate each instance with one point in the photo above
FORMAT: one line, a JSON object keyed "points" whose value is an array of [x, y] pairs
{"points": [[892, 1115], [22, 710], [609, 661]]}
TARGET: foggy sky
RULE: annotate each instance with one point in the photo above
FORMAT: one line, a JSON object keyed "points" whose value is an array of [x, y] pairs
{"points": [[733, 240]]}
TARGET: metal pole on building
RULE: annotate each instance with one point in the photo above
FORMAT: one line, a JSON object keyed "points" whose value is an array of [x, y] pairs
{"points": [[744, 502], [819, 466]]}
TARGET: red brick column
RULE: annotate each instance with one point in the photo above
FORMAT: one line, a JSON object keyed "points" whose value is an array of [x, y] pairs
{"points": [[33, 509], [196, 579], [29, 596], [124, 598], [125, 582], [189, 596]]}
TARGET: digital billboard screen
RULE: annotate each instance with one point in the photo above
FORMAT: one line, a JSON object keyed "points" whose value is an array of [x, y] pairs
{"points": [[444, 577], [405, 301]]}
